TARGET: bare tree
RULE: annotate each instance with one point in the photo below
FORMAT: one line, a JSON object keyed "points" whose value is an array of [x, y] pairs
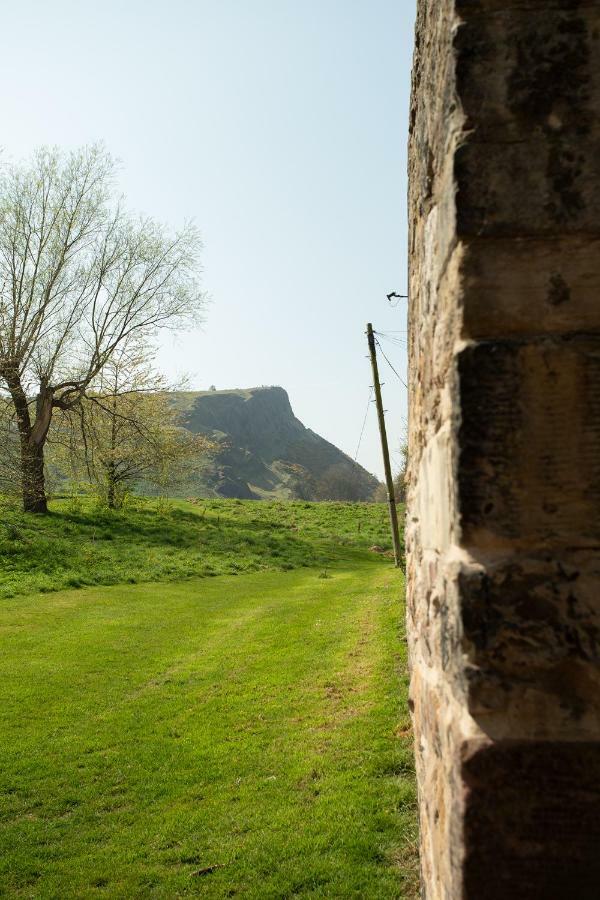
{"points": [[78, 278]]}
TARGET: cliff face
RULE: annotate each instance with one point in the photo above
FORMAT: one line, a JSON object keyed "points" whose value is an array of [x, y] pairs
{"points": [[265, 451]]}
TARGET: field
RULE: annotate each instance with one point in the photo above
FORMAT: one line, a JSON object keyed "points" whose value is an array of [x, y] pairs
{"points": [[81, 545], [169, 733]]}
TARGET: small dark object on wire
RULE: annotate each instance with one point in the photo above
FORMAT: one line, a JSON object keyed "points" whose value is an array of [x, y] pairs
{"points": [[396, 296]]}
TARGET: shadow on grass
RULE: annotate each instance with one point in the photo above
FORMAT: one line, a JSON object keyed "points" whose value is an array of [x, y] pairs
{"points": [[92, 546], [184, 529]]}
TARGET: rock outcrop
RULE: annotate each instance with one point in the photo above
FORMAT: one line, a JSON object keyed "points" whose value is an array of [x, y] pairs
{"points": [[265, 451]]}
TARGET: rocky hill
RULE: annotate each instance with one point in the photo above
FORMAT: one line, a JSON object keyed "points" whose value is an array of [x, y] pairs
{"points": [[265, 451]]}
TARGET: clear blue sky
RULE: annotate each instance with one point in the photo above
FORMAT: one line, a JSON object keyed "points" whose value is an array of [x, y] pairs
{"points": [[280, 127]]}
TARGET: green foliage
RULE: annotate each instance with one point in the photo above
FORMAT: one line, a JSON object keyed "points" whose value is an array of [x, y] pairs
{"points": [[125, 432], [238, 736], [85, 279], [81, 543], [402, 474]]}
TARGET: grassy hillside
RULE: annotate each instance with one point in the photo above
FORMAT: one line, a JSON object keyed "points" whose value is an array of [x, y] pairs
{"points": [[80, 545], [246, 735]]}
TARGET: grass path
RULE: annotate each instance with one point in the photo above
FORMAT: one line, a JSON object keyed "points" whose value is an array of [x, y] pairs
{"points": [[239, 736]]}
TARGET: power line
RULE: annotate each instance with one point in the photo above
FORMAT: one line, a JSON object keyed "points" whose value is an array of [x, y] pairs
{"points": [[364, 423], [391, 366], [395, 297], [392, 338]]}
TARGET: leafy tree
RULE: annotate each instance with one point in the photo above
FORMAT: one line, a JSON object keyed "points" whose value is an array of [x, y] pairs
{"points": [[79, 277], [401, 474], [380, 495], [298, 480], [340, 483], [125, 430]]}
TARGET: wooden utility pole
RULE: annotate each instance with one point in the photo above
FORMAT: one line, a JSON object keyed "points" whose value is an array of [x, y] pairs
{"points": [[384, 447]]}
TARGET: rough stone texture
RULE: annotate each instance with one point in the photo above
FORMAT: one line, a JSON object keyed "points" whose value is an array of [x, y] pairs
{"points": [[503, 526]]}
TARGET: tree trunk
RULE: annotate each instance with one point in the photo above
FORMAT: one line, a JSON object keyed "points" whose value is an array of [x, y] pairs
{"points": [[32, 437], [33, 480], [111, 495], [112, 469]]}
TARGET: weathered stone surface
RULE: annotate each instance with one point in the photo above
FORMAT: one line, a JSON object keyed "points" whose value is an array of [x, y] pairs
{"points": [[521, 836], [531, 644], [529, 459], [503, 524], [522, 287]]}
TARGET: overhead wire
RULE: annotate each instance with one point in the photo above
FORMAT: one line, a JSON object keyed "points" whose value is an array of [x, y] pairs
{"points": [[364, 423], [390, 336], [392, 339], [396, 373]]}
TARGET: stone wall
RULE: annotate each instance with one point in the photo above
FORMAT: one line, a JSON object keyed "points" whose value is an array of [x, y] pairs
{"points": [[503, 525]]}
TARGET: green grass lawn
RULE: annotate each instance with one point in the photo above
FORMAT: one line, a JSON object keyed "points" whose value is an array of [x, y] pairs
{"points": [[245, 735], [80, 544]]}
